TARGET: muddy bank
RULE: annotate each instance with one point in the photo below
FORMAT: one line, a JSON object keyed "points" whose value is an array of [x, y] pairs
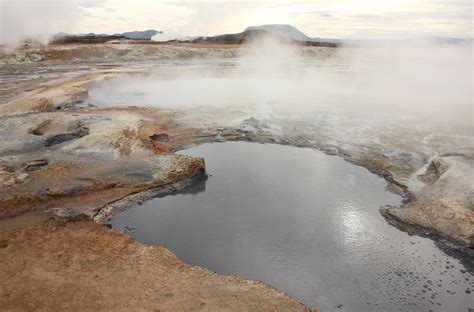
{"points": [[85, 266]]}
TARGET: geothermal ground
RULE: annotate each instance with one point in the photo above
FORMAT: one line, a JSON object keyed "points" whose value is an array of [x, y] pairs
{"points": [[68, 163]]}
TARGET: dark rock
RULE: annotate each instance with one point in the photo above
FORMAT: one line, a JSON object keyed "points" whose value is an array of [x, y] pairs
{"points": [[36, 164], [60, 138], [3, 244], [162, 137]]}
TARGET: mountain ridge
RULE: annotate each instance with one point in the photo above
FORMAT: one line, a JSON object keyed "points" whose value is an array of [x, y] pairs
{"points": [[284, 30], [281, 32], [136, 34]]}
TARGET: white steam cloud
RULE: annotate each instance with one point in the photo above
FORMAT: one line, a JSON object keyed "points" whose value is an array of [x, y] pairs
{"points": [[164, 36], [24, 19], [421, 80]]}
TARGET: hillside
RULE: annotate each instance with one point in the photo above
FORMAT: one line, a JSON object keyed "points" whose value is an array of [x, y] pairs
{"points": [[282, 33], [286, 31], [64, 38], [146, 34]]}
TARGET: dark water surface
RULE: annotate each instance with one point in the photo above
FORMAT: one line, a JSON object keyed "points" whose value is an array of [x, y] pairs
{"points": [[308, 224]]}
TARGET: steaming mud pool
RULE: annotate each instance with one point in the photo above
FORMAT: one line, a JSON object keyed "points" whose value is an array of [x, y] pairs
{"points": [[306, 223]]}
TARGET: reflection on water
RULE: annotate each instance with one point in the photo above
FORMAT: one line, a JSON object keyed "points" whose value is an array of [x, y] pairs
{"points": [[308, 224]]}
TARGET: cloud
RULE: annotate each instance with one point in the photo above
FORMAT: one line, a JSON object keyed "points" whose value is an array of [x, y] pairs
{"points": [[92, 3], [322, 18], [389, 19]]}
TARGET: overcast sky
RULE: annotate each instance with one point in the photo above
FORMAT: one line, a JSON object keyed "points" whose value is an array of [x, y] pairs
{"points": [[317, 18]]}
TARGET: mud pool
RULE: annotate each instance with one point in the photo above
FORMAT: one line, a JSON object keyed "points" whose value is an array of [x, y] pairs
{"points": [[306, 223]]}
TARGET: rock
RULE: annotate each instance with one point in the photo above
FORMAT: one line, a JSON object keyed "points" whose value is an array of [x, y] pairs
{"points": [[445, 202], [61, 138], [434, 170], [41, 128], [162, 137], [448, 216], [35, 164]]}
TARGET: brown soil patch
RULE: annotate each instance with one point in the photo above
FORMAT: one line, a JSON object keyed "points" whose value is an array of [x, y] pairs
{"points": [[85, 266]]}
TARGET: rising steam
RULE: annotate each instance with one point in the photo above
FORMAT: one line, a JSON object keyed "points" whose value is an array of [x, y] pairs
{"points": [[38, 20], [422, 80]]}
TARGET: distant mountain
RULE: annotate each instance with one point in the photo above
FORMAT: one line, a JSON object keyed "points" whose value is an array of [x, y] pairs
{"points": [[286, 31], [62, 37], [282, 33], [146, 34], [447, 40], [92, 35]]}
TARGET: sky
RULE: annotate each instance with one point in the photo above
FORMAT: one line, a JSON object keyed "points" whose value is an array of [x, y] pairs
{"points": [[348, 19]]}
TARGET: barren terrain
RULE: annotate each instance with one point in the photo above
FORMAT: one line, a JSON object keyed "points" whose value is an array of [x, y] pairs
{"points": [[66, 167]]}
